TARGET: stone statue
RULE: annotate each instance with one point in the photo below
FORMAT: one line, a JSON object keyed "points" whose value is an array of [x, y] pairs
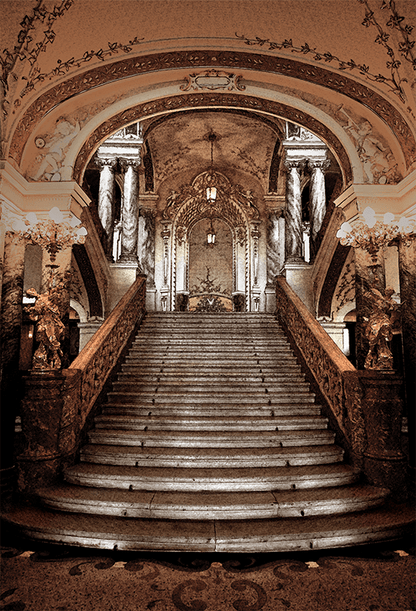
{"points": [[378, 328], [50, 330]]}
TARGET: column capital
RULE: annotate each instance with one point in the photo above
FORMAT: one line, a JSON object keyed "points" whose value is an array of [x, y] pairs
{"points": [[298, 164], [129, 163], [109, 162], [322, 164]]}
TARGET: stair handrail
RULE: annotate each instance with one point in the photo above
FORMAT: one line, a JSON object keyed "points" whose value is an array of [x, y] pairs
{"points": [[99, 356], [338, 380], [57, 404]]}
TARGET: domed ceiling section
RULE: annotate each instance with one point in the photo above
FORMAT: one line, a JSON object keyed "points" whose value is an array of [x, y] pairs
{"points": [[179, 144]]}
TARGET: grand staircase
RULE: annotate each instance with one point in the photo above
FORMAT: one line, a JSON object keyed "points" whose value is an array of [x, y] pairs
{"points": [[211, 440]]}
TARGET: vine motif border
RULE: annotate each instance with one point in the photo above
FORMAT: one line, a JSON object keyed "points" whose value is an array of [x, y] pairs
{"points": [[209, 100], [394, 83], [236, 60]]}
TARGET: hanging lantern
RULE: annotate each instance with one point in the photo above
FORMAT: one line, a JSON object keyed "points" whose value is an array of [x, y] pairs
{"points": [[211, 194], [211, 236]]}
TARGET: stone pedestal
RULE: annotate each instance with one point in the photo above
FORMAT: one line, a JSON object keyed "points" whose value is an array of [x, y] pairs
{"points": [[270, 294], [384, 461], [43, 419], [87, 330], [151, 300], [123, 274], [299, 277], [335, 330]]}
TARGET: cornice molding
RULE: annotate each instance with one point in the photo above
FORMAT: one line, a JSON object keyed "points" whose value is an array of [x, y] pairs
{"points": [[233, 60]]}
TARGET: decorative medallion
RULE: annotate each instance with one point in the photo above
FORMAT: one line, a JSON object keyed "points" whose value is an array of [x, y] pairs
{"points": [[212, 80]]}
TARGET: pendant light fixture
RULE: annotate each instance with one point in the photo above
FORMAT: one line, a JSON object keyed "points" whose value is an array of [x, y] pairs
{"points": [[211, 189], [211, 235]]}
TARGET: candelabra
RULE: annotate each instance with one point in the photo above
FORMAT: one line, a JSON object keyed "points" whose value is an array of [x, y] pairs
{"points": [[371, 236], [54, 235]]}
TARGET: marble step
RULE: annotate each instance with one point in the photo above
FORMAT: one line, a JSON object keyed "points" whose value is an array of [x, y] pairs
{"points": [[212, 439], [210, 479], [176, 423], [184, 387], [134, 374], [212, 369], [212, 505], [211, 398], [231, 458], [387, 523], [128, 409]]}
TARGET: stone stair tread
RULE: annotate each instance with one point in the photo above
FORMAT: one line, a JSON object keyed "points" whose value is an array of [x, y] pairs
{"points": [[287, 453], [281, 410], [211, 505], [211, 473], [236, 435], [271, 535]]}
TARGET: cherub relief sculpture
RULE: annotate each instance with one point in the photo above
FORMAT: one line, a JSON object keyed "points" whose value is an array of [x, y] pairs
{"points": [[50, 330], [55, 148], [377, 159], [379, 328]]}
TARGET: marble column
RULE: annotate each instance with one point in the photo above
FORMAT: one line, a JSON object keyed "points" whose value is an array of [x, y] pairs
{"points": [[146, 244], [317, 195], [130, 211], [407, 274], [274, 261], [294, 236], [105, 199], [10, 330]]}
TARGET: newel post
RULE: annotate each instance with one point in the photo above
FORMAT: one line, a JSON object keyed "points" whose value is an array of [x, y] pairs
{"points": [[50, 426]]}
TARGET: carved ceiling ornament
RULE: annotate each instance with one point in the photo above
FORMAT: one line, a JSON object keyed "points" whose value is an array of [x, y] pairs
{"points": [[211, 100], [180, 59], [212, 80], [233, 205]]}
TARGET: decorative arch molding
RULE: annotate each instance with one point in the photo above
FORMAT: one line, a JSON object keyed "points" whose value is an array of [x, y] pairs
{"points": [[133, 66], [233, 206], [211, 100]]}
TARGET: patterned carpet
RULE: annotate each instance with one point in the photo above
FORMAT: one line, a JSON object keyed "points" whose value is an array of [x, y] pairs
{"points": [[47, 578]]}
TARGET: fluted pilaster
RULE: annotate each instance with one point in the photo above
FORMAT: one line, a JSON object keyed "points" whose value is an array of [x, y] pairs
{"points": [[293, 211]]}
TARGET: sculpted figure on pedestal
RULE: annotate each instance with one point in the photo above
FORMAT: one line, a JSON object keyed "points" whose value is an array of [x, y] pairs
{"points": [[379, 328], [50, 330]]}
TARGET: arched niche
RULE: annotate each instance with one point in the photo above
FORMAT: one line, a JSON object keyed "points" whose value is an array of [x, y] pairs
{"points": [[234, 208]]}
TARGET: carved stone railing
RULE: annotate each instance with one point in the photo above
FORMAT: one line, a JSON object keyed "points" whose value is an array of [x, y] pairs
{"points": [[366, 405], [57, 403]]}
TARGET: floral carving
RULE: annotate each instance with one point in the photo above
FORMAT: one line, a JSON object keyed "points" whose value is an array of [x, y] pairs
{"points": [[26, 47], [327, 372], [212, 80], [263, 63]]}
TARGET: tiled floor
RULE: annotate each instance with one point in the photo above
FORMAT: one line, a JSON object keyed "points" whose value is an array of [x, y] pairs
{"points": [[45, 578]]}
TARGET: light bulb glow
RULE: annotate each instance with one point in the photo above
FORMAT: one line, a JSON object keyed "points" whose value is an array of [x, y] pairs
{"points": [[32, 218], [388, 217], [56, 215]]}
